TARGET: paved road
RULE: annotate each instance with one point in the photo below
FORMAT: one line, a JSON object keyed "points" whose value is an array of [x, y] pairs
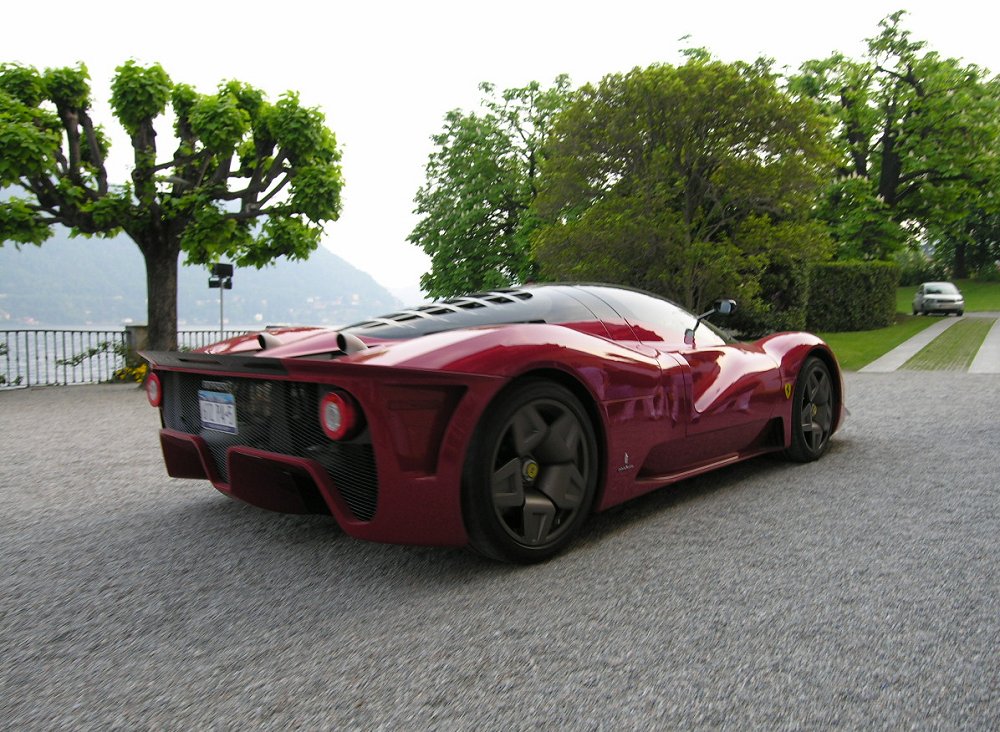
{"points": [[858, 592]]}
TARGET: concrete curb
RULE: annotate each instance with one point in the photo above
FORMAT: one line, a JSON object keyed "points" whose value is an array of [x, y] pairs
{"points": [[987, 360]]}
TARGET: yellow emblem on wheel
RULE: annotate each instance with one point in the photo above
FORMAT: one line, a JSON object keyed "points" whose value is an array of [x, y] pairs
{"points": [[531, 470]]}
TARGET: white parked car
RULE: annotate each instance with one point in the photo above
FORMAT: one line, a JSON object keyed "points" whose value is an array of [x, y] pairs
{"points": [[938, 297]]}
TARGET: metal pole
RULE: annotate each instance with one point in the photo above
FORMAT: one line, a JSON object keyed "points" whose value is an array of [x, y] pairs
{"points": [[222, 290]]}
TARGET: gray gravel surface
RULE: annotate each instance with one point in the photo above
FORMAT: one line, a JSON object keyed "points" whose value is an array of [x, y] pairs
{"points": [[857, 592]]}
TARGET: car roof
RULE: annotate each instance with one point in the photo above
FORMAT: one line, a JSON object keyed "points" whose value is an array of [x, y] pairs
{"points": [[530, 304]]}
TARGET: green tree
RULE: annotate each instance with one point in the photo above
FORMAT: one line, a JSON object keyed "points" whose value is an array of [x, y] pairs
{"points": [[693, 181], [475, 207], [971, 246], [249, 180], [917, 135]]}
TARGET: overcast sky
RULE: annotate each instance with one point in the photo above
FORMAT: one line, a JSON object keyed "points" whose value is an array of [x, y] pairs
{"points": [[385, 73]]}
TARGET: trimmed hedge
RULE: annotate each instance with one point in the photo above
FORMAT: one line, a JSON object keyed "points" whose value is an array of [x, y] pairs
{"points": [[848, 296], [781, 306]]}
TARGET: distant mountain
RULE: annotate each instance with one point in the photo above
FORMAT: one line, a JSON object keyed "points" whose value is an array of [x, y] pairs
{"points": [[101, 282]]}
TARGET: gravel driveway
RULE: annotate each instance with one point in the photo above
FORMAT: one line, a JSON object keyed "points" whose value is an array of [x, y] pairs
{"points": [[857, 592]]}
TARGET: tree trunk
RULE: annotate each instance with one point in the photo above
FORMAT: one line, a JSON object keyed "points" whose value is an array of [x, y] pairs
{"points": [[161, 294], [961, 269]]}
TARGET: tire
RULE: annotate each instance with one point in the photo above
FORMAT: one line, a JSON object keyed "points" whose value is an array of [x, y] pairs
{"points": [[960, 313], [813, 408], [531, 474]]}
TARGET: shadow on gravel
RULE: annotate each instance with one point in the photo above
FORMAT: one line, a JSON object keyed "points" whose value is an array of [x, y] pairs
{"points": [[314, 543], [710, 486], [621, 517], [267, 541]]}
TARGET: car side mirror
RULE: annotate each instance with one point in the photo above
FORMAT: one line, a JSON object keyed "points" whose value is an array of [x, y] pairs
{"points": [[725, 307], [720, 307]]}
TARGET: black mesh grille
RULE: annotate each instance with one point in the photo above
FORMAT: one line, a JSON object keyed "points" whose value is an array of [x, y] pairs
{"points": [[276, 416]]}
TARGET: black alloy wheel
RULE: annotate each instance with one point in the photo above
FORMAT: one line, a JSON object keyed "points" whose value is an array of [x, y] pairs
{"points": [[531, 474], [813, 409]]}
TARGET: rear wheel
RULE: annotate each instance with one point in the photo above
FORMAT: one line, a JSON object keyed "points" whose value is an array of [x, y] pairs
{"points": [[814, 402], [531, 474]]}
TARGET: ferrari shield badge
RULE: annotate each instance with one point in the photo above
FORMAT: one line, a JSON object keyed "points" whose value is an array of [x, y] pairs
{"points": [[788, 390]]}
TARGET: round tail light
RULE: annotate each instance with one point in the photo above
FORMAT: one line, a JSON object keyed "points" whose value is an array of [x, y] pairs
{"points": [[338, 416], [154, 390]]}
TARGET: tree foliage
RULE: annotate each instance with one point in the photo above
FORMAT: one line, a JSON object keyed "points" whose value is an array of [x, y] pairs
{"points": [[249, 180], [917, 135], [482, 178], [971, 246], [692, 181]]}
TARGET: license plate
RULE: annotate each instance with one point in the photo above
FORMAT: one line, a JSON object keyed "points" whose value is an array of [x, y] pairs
{"points": [[218, 411]]}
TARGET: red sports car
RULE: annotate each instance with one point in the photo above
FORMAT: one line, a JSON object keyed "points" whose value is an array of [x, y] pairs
{"points": [[497, 421]]}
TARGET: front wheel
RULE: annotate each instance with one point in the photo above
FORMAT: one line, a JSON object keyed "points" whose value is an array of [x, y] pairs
{"points": [[813, 407], [531, 474]]}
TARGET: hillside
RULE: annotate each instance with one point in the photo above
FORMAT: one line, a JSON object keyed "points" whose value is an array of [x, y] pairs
{"points": [[96, 282]]}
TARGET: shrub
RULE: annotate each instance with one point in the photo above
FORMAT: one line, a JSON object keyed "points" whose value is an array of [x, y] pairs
{"points": [[856, 295], [916, 267], [782, 304], [987, 273], [135, 368]]}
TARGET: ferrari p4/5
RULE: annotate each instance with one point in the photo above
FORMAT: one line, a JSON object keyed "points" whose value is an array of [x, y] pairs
{"points": [[497, 421]]}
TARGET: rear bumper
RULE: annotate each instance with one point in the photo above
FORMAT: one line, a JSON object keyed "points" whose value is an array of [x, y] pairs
{"points": [[421, 510], [399, 481]]}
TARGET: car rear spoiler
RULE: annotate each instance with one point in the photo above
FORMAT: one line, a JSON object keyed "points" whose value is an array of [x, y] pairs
{"points": [[230, 363], [317, 367]]}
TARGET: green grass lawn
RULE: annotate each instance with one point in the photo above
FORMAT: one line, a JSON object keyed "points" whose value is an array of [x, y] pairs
{"points": [[860, 348], [979, 296], [954, 349], [857, 349]]}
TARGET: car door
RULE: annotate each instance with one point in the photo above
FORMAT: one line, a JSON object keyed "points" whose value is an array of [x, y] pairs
{"points": [[733, 390]]}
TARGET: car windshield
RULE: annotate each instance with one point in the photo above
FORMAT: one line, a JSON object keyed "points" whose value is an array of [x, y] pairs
{"points": [[666, 319], [941, 288]]}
